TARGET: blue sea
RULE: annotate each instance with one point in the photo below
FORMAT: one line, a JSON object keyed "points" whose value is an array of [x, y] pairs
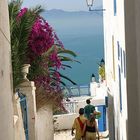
{"points": [[81, 32]]}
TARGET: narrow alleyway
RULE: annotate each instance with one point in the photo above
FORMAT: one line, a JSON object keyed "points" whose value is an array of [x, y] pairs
{"points": [[66, 135]]}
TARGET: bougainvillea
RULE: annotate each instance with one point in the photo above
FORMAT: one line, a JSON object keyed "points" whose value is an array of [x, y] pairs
{"points": [[21, 13], [56, 62], [41, 37], [44, 68]]}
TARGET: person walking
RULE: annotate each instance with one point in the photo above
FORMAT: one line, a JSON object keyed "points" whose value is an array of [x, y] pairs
{"points": [[88, 109], [78, 125], [90, 128]]}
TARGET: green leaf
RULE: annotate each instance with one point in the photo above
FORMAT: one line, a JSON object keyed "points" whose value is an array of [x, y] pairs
{"points": [[64, 65], [48, 52], [65, 77], [64, 51], [19, 32]]}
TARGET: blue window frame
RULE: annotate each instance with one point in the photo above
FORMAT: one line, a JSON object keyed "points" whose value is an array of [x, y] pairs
{"points": [[121, 59], [118, 50], [23, 103], [120, 88], [115, 7]]}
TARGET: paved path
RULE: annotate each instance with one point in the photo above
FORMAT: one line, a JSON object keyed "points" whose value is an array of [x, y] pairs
{"points": [[66, 135], [63, 135]]}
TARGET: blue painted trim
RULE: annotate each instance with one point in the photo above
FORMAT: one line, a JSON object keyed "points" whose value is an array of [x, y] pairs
{"points": [[23, 99], [106, 101], [120, 88], [102, 119], [118, 50], [23, 103], [115, 7], [121, 61]]}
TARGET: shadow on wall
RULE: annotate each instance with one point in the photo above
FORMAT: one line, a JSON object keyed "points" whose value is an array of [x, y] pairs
{"points": [[111, 122]]}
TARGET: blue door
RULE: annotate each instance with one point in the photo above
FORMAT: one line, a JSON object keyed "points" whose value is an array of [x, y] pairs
{"points": [[102, 119], [23, 104]]}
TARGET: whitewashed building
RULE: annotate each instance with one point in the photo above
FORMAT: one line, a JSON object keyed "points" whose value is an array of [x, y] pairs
{"points": [[6, 91], [122, 64]]}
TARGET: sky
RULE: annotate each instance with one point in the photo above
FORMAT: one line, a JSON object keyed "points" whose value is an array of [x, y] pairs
{"points": [[66, 5]]}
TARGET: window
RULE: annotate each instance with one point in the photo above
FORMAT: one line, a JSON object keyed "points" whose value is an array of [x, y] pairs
{"points": [[118, 50], [121, 60], [115, 7], [120, 88]]}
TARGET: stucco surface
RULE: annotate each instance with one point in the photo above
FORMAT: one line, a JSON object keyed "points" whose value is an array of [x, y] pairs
{"points": [[6, 106]]}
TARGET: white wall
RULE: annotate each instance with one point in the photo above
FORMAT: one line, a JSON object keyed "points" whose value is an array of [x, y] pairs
{"points": [[44, 124], [64, 122], [6, 105], [18, 121], [114, 34], [27, 88], [124, 27]]}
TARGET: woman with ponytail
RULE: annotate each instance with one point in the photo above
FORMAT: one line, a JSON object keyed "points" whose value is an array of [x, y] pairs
{"points": [[90, 128]]}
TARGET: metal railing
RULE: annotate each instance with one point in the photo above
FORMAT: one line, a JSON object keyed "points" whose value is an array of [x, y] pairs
{"points": [[70, 107], [76, 91]]}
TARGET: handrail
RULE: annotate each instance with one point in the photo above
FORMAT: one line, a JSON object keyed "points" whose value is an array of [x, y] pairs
{"points": [[76, 91]]}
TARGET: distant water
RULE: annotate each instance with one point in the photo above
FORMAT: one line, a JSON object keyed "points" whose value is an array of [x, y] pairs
{"points": [[81, 32]]}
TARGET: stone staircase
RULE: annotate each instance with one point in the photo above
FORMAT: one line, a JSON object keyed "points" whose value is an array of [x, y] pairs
{"points": [[63, 135], [66, 135]]}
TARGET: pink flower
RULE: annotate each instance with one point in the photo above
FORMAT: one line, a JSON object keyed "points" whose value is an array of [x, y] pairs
{"points": [[57, 75], [41, 37], [56, 62], [21, 13]]}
